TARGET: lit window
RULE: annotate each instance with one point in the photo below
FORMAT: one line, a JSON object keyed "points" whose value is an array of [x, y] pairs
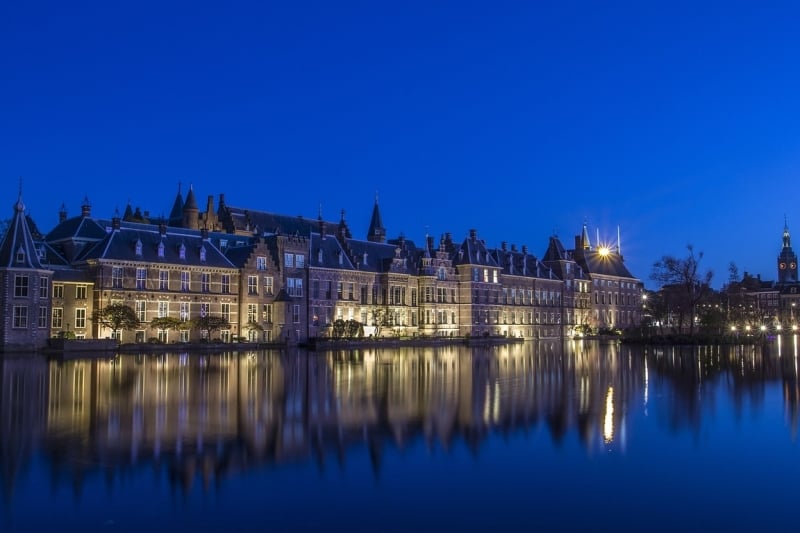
{"points": [[80, 318], [44, 285], [58, 317], [138, 247], [261, 263]]}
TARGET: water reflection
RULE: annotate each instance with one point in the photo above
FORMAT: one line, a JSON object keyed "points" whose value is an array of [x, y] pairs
{"points": [[203, 417]]}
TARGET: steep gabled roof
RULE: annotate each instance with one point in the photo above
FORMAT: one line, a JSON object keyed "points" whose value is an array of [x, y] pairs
{"points": [[18, 249], [555, 250], [121, 244], [606, 265], [326, 253], [78, 228], [523, 264], [377, 254], [473, 251], [262, 222]]}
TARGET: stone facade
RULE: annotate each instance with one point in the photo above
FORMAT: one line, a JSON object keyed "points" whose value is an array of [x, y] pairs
{"points": [[278, 278]]}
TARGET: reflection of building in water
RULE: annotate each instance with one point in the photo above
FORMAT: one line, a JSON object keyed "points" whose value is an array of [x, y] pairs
{"points": [[23, 396], [205, 416]]}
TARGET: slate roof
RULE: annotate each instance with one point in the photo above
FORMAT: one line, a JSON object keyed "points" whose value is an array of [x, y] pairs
{"points": [[379, 255], [331, 250], [517, 263], [120, 244], [18, 242], [606, 265], [262, 222], [473, 251], [78, 227], [72, 274], [555, 250]]}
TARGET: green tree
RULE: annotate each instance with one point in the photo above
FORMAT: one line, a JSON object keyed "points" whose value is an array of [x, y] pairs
{"points": [[168, 322], [686, 283], [339, 329], [210, 324], [117, 317], [354, 329]]}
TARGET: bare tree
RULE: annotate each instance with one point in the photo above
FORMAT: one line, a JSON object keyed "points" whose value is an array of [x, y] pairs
{"points": [[684, 276]]}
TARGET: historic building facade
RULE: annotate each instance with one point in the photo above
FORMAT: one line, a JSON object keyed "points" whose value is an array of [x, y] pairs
{"points": [[287, 279]]}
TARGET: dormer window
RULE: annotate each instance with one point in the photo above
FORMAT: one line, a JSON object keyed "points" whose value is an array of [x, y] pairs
{"points": [[20, 255], [161, 249], [365, 258], [138, 247], [319, 256], [202, 254], [182, 251], [341, 258]]}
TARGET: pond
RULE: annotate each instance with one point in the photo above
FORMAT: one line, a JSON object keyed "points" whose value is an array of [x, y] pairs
{"points": [[540, 435]]}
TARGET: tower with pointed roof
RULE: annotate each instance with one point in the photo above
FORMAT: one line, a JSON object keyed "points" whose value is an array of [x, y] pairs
{"points": [[176, 214], [24, 287], [787, 259], [376, 231], [191, 212]]}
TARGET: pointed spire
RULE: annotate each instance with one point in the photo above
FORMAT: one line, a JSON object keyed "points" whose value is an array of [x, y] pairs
{"points": [[585, 243], [17, 247], [787, 242], [376, 231], [176, 215]]}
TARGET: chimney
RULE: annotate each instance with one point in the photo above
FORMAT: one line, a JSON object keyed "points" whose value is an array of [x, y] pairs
{"points": [[204, 234], [115, 220], [503, 246], [513, 247], [473, 234], [430, 242], [62, 213], [525, 249]]}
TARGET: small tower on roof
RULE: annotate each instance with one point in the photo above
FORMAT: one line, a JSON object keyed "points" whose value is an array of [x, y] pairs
{"points": [[191, 212], [787, 259], [176, 214], [376, 231]]}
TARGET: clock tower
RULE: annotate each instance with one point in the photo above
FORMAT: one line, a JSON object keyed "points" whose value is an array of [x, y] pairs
{"points": [[787, 260]]}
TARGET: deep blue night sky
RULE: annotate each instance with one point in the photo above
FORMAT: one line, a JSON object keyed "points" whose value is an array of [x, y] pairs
{"points": [[676, 122]]}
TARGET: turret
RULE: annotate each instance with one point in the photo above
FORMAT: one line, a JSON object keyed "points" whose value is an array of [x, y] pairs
{"points": [[190, 211], [376, 231]]}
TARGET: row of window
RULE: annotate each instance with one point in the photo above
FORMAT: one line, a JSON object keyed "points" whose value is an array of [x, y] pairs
{"points": [[162, 248], [20, 317], [22, 286], [117, 277], [613, 298]]}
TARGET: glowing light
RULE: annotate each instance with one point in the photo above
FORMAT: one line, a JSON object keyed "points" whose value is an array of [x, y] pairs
{"points": [[603, 251], [733, 328], [608, 421], [763, 328]]}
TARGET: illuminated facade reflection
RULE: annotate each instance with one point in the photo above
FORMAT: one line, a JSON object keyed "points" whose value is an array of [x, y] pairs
{"points": [[205, 417]]}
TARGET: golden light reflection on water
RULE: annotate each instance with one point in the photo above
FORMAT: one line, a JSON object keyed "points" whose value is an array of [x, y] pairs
{"points": [[608, 419], [283, 406]]}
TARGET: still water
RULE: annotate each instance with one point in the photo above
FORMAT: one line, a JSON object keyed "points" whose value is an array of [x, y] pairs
{"points": [[547, 436]]}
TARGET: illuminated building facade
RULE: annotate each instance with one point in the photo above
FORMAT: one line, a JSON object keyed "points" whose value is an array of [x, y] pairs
{"points": [[288, 279]]}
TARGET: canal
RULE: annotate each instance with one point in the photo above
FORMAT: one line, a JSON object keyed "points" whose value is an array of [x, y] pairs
{"points": [[541, 435]]}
